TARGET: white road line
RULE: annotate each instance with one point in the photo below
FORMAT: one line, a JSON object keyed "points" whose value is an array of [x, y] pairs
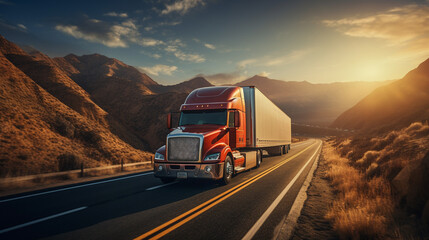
{"points": [[287, 226], [160, 186], [249, 235], [78, 186], [41, 220]]}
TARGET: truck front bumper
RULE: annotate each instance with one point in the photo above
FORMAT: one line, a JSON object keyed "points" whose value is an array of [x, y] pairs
{"points": [[185, 170]]}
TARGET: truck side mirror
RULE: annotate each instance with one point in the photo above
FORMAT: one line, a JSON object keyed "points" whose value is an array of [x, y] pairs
{"points": [[237, 122], [169, 120]]}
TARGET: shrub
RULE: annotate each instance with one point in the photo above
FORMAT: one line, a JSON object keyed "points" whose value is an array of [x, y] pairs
{"points": [[64, 127], [68, 161], [89, 136]]}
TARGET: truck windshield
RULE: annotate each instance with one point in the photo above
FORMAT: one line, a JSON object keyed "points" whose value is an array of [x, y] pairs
{"points": [[217, 117]]}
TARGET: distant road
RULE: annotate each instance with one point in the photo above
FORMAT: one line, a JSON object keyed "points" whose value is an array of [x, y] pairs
{"points": [[139, 206]]}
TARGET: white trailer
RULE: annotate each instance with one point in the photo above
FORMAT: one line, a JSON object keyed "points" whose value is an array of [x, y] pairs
{"points": [[267, 126]]}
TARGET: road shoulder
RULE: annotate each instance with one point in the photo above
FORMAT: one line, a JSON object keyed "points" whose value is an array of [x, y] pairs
{"points": [[311, 223]]}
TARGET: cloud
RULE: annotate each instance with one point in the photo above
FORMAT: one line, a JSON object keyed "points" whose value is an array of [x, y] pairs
{"points": [[153, 55], [156, 56], [115, 14], [210, 46], [181, 6], [244, 63], [196, 58], [147, 42], [404, 25], [22, 26], [190, 57], [268, 61], [153, 26], [263, 74], [114, 37], [171, 48], [174, 23], [287, 59], [109, 34], [207, 45], [159, 69], [11, 26], [177, 42]]}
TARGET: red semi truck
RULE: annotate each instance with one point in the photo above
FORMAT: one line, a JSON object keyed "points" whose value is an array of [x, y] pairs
{"points": [[222, 131]]}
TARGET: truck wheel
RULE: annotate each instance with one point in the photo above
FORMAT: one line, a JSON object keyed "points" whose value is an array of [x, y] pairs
{"points": [[228, 171], [167, 180], [258, 158]]}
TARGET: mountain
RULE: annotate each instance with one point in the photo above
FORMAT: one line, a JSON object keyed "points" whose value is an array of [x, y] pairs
{"points": [[45, 73], [102, 76], [183, 87], [312, 103], [392, 106], [99, 65], [38, 132], [131, 97]]}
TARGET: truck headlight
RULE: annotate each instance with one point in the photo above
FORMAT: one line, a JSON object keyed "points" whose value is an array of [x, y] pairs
{"points": [[212, 157], [159, 156]]}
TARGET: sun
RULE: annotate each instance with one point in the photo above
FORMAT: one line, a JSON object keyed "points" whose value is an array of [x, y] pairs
{"points": [[371, 72]]}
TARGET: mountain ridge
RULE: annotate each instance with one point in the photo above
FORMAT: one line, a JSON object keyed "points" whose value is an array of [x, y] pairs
{"points": [[395, 105]]}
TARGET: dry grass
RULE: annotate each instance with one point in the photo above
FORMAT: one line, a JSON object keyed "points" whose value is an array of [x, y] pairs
{"points": [[388, 154], [362, 169], [363, 208]]}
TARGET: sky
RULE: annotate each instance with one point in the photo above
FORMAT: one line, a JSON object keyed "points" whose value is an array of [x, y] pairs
{"points": [[227, 41]]}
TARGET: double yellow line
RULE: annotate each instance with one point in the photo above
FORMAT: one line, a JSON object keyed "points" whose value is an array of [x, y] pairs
{"points": [[198, 210]]}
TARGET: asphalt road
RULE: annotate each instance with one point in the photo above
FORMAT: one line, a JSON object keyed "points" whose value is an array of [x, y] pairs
{"points": [[253, 205]]}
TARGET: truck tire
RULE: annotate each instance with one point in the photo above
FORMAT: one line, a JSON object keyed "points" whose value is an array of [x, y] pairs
{"points": [[258, 158], [167, 180], [228, 171]]}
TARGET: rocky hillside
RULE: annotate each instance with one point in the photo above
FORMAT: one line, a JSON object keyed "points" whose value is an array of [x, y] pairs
{"points": [[312, 103], [392, 106], [39, 133], [46, 74]]}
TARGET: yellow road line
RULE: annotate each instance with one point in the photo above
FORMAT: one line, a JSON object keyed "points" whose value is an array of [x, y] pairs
{"points": [[212, 202]]}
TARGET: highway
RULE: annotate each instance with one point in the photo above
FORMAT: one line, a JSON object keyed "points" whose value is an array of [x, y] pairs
{"points": [[139, 206]]}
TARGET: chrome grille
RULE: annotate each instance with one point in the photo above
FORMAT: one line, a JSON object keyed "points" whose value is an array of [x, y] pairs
{"points": [[183, 149]]}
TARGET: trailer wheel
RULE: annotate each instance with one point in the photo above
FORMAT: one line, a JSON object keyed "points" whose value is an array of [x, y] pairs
{"points": [[228, 171], [167, 180], [258, 158]]}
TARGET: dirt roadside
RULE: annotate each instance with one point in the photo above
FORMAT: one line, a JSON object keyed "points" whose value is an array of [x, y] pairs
{"points": [[54, 183], [311, 223]]}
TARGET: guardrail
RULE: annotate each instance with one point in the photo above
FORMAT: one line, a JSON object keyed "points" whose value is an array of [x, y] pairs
{"points": [[73, 174]]}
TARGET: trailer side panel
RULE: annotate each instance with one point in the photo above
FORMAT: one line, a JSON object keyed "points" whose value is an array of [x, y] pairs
{"points": [[272, 125]]}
